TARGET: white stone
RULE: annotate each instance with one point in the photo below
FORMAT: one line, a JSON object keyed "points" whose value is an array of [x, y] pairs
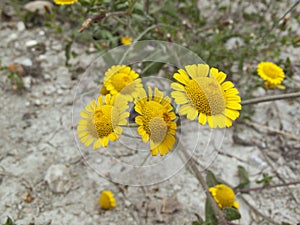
{"points": [[38, 6], [12, 37], [31, 43], [21, 26], [58, 178], [26, 82], [26, 62]]}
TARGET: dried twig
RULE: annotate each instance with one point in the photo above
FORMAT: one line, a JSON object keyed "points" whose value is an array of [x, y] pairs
{"points": [[271, 98]]}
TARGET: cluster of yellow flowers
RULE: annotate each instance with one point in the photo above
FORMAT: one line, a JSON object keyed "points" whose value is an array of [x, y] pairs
{"points": [[201, 91]]}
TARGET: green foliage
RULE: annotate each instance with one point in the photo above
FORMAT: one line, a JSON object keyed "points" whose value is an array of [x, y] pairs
{"points": [[211, 179], [210, 217], [9, 221], [244, 178], [231, 213], [265, 181]]}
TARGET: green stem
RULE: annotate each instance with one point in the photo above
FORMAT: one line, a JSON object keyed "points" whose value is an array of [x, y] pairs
{"points": [[193, 164]]}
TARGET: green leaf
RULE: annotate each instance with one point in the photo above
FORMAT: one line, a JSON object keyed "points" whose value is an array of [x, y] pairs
{"points": [[68, 51], [198, 222], [265, 181], [9, 221], [244, 178], [211, 179], [231, 213], [210, 216]]}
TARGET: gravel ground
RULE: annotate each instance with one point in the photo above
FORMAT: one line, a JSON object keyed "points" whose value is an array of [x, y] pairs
{"points": [[45, 180]]}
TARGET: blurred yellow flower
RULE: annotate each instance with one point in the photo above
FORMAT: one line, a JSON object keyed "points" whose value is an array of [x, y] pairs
{"points": [[65, 2], [107, 200], [224, 196], [126, 40], [101, 122], [156, 121], [272, 74], [206, 96], [122, 80]]}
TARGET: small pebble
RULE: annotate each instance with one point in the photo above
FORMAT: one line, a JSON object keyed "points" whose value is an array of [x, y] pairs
{"points": [[27, 82], [26, 62], [21, 26], [31, 43]]}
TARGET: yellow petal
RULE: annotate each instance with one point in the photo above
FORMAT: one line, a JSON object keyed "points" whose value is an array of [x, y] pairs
{"points": [[185, 109], [179, 97], [192, 114], [232, 114], [202, 70], [97, 144], [83, 133], [202, 119], [182, 77], [84, 114], [227, 85], [192, 70], [234, 105], [177, 86]]}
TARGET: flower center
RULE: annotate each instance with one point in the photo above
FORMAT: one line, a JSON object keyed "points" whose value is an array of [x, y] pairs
{"points": [[121, 80], [101, 123], [158, 129], [270, 71], [156, 121], [206, 95], [225, 196]]}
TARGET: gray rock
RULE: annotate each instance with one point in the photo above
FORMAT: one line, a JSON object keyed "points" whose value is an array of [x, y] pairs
{"points": [[38, 6], [58, 178]]}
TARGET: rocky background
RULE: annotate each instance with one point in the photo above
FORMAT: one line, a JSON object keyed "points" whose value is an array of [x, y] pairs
{"points": [[44, 179]]}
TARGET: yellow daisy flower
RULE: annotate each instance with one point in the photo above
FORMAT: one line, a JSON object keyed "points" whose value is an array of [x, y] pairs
{"points": [[107, 200], [224, 196], [122, 80], [156, 121], [126, 40], [101, 122], [272, 74], [206, 96], [65, 2]]}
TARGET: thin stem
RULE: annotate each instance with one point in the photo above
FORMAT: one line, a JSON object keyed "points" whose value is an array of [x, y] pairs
{"points": [[246, 190], [193, 163], [271, 98]]}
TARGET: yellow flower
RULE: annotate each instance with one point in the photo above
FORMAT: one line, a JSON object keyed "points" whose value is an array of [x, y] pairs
{"points": [[272, 74], [65, 2], [224, 196], [122, 80], [101, 122], [206, 96], [126, 40], [107, 200], [156, 121]]}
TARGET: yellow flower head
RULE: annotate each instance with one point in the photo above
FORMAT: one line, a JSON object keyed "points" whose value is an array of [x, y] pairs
{"points": [[101, 122], [156, 121], [126, 40], [107, 200], [65, 2], [204, 94], [224, 196], [122, 80], [272, 74]]}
